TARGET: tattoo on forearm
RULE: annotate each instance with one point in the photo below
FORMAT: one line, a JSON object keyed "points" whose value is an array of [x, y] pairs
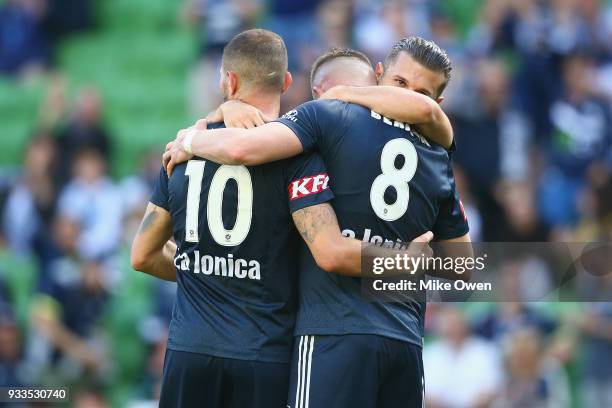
{"points": [[147, 221], [311, 220]]}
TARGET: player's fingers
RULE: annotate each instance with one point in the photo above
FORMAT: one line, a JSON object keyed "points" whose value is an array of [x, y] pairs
{"points": [[426, 237], [165, 159], [258, 120], [215, 116], [169, 145], [201, 124], [236, 123], [170, 167]]}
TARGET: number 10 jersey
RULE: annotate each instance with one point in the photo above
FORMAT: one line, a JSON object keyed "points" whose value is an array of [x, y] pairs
{"points": [[237, 253]]}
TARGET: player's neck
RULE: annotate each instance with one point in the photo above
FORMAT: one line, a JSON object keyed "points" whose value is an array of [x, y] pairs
{"points": [[269, 105]]}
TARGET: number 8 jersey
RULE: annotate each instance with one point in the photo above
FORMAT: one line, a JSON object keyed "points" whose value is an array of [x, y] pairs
{"points": [[389, 184], [237, 253]]}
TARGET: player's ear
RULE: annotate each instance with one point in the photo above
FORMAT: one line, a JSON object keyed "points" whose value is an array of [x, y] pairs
{"points": [[317, 92], [288, 81], [380, 70], [232, 84]]}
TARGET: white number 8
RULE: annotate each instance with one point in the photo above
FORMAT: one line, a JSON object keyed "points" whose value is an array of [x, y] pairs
{"points": [[393, 177]]}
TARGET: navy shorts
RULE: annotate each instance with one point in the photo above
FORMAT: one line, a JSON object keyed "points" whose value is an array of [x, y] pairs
{"points": [[204, 381], [355, 371]]}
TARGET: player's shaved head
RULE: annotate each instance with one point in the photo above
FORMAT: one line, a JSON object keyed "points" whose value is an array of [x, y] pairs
{"points": [[341, 66], [259, 58]]}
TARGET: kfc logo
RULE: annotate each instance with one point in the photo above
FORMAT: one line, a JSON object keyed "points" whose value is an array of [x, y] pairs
{"points": [[307, 186]]}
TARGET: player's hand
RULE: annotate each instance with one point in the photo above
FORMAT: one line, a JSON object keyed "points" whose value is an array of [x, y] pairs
{"points": [[420, 245], [175, 153], [237, 114]]}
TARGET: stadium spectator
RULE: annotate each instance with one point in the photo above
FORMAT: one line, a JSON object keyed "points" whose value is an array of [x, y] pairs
{"points": [[581, 135], [493, 142], [461, 370], [11, 358], [84, 130], [24, 48], [66, 319], [90, 200], [596, 327], [508, 318], [520, 222], [494, 29], [533, 379], [31, 202]]}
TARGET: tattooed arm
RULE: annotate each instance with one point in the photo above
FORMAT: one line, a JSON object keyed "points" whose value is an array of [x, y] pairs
{"points": [[331, 250], [152, 252], [336, 253]]}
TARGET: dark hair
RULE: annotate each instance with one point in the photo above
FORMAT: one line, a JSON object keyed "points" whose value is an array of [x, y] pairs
{"points": [[334, 53], [426, 53], [259, 57]]}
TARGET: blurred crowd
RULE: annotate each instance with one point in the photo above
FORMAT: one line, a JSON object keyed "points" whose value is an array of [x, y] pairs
{"points": [[530, 100]]}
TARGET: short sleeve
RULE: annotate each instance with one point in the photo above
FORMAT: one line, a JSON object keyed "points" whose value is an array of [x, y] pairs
{"points": [[452, 221], [307, 182], [159, 196], [315, 122]]}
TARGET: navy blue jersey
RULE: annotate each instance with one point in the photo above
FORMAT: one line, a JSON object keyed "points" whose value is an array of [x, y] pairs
{"points": [[237, 253], [389, 184]]}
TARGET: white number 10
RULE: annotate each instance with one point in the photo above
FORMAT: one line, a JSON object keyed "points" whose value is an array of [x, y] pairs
{"points": [[214, 209]]}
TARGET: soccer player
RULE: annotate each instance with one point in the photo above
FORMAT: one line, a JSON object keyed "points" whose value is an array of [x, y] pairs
{"points": [[231, 331], [389, 183]]}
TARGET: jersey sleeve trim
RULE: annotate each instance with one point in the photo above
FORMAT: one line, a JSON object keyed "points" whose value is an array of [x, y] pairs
{"points": [[315, 199], [160, 203], [297, 131]]}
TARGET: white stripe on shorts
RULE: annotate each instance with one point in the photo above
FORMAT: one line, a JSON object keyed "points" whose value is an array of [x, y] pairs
{"points": [[302, 389]]}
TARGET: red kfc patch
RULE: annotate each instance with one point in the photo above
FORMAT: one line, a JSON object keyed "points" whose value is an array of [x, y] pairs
{"points": [[307, 186]]}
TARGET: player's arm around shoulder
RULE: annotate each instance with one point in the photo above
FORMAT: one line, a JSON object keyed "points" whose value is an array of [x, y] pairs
{"points": [[250, 147], [400, 104], [249, 139], [152, 252]]}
